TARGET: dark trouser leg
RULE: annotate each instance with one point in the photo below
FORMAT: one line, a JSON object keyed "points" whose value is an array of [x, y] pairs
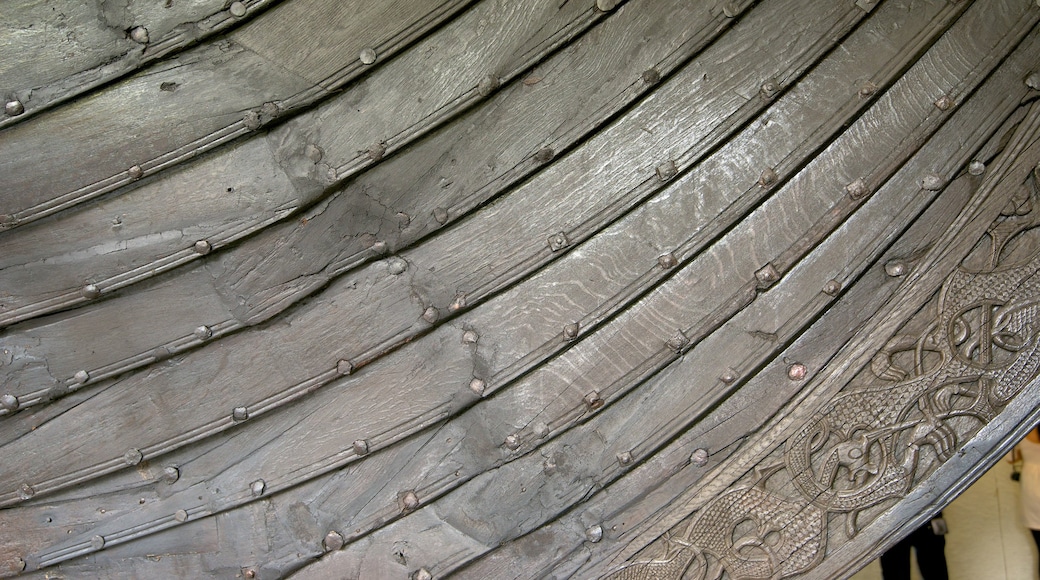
{"points": [[895, 563], [1036, 538], [931, 554]]}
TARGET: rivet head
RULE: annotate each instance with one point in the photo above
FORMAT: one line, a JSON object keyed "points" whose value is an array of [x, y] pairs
{"points": [[237, 9], [251, 120], [431, 314], [867, 89], [470, 337], [257, 487], [26, 491], [513, 442], [202, 247], [1032, 80], [767, 276], [180, 515], [769, 89], [344, 367], [558, 241], [768, 177], [932, 182], [333, 541], [731, 9], [541, 430], [409, 501], [367, 56], [570, 331], [249, 573], [666, 170], [699, 457], [796, 372], [376, 151], [593, 400], [594, 533], [678, 341], [171, 474], [667, 261], [14, 108], [606, 5], [135, 172], [361, 447], [729, 376], [203, 332], [624, 458], [895, 268], [944, 103], [133, 456], [458, 303], [97, 542], [488, 85], [422, 574], [478, 386], [651, 76], [857, 189], [832, 287], [9, 402], [314, 153], [396, 265], [90, 291], [544, 155], [441, 215], [81, 377], [976, 167], [239, 414], [139, 34]]}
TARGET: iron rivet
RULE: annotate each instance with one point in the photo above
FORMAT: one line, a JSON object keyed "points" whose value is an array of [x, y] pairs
{"points": [[477, 386], [458, 303], [651, 76], [422, 574], [944, 103], [361, 447], [333, 541], [1032, 81], [19, 565], [403, 219], [488, 85], [270, 110], [470, 337], [135, 172], [431, 314], [624, 458], [666, 170], [593, 401], [202, 247], [699, 457], [180, 516], [251, 120], [558, 241], [171, 474], [396, 265], [14, 108], [133, 456], [857, 189], [594, 533], [409, 501], [895, 268], [769, 89], [139, 34], [513, 442], [570, 331], [250, 573], [767, 276], [237, 9], [203, 332], [239, 414], [796, 372], [90, 291], [541, 430], [976, 167], [81, 377], [667, 261], [768, 177], [257, 487], [932, 182], [544, 155], [731, 9], [314, 153], [379, 247], [441, 215], [606, 5], [832, 287], [97, 542], [344, 367], [729, 376], [9, 402], [367, 56], [26, 491], [678, 342], [377, 151], [867, 89]]}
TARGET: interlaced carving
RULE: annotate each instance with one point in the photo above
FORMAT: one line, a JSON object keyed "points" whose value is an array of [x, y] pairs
{"points": [[929, 392]]}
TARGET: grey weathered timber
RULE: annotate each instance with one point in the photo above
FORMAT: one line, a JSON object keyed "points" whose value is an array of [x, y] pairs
{"points": [[643, 289]]}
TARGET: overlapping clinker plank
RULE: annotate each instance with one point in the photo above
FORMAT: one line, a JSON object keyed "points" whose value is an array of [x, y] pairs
{"points": [[57, 51], [344, 315], [229, 481], [286, 264]]}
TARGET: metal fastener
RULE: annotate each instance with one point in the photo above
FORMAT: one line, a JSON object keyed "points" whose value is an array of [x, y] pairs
{"points": [[857, 189], [344, 367], [932, 182], [422, 574], [624, 458], [606, 5], [367, 56], [133, 456], [135, 172], [431, 314], [699, 457], [976, 167], [458, 303], [14, 107], [180, 515], [867, 89], [202, 247], [488, 85], [171, 474], [139, 34], [731, 9], [251, 120], [768, 177], [593, 400], [441, 215], [237, 9], [26, 491], [651, 76], [203, 332], [594, 533], [541, 430], [478, 386], [90, 291], [544, 155], [769, 89], [895, 268], [239, 414], [9, 402], [666, 170], [1032, 80], [570, 331], [396, 265], [796, 372], [558, 241], [832, 287], [257, 487], [314, 153], [513, 442], [729, 376], [97, 542], [333, 541], [667, 261], [409, 501], [678, 341], [470, 337], [81, 377], [767, 276], [361, 447], [376, 151], [944, 103]]}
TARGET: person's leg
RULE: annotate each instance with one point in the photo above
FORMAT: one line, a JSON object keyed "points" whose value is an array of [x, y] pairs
{"points": [[895, 563], [931, 553], [1036, 538]]}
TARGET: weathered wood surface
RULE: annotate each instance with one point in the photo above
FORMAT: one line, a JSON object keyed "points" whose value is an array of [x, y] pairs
{"points": [[549, 329]]}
